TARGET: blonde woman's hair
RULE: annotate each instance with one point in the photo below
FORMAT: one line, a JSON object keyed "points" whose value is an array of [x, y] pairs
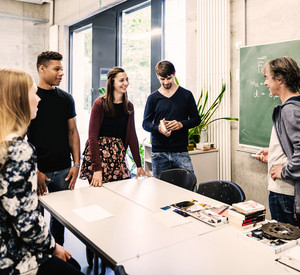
{"points": [[14, 105]]}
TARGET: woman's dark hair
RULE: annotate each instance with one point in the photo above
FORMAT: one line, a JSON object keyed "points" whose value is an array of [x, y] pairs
{"points": [[108, 99]]}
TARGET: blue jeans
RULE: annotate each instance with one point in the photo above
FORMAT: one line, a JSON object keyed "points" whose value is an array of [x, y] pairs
{"points": [[57, 183], [282, 208], [162, 161]]}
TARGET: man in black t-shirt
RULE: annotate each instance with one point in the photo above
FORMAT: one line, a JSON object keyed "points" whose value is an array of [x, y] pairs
{"points": [[54, 134]]}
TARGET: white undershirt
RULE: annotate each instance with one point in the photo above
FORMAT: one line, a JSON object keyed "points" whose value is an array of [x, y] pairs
{"points": [[276, 156]]}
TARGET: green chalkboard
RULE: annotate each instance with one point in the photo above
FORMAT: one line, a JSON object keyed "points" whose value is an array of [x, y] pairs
{"points": [[256, 104]]}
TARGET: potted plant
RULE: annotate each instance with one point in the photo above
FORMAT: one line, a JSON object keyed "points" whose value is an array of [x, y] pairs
{"points": [[206, 113]]}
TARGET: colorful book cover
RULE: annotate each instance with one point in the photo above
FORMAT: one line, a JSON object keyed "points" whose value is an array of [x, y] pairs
{"points": [[191, 206], [234, 213], [241, 222], [247, 207]]}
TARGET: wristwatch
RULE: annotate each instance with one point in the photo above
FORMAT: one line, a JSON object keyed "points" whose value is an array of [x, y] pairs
{"points": [[75, 165]]}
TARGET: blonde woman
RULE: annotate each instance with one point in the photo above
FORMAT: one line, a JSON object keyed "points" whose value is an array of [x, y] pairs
{"points": [[26, 245]]}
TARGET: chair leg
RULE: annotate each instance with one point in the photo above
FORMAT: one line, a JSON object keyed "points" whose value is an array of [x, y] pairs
{"points": [[103, 267], [96, 264], [89, 257]]}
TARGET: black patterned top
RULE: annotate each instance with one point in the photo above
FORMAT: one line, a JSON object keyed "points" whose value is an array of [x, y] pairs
{"points": [[25, 241]]}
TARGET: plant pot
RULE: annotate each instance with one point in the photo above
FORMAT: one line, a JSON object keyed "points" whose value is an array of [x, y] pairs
{"points": [[190, 147]]}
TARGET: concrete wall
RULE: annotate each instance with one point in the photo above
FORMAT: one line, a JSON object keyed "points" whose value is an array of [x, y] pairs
{"points": [[66, 13], [267, 21], [22, 40]]}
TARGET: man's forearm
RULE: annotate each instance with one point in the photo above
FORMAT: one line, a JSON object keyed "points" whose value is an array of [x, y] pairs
{"points": [[74, 142]]}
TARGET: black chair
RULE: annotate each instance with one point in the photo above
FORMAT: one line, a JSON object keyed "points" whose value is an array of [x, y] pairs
{"points": [[120, 270], [221, 190], [179, 177]]}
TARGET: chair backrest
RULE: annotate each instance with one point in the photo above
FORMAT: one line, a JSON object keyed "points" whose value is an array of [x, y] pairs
{"points": [[180, 177], [221, 190], [119, 270]]}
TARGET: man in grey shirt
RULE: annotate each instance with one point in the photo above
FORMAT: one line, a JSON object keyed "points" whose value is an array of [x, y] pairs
{"points": [[282, 77]]}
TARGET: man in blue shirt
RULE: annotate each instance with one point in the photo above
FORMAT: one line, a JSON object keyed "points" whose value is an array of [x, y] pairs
{"points": [[176, 108]]}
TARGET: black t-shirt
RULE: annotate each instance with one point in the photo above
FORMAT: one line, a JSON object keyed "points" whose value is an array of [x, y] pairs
{"points": [[48, 132], [115, 126], [181, 106]]}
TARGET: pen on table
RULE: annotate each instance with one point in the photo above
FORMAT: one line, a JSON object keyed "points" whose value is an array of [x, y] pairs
{"points": [[222, 211]]}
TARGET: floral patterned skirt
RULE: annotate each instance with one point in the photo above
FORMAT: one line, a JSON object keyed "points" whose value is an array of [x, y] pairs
{"points": [[113, 158]]}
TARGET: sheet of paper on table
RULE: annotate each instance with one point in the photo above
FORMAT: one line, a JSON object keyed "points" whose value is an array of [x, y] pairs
{"points": [[92, 213]]}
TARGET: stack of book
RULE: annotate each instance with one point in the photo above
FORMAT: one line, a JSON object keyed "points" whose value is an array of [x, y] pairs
{"points": [[247, 214]]}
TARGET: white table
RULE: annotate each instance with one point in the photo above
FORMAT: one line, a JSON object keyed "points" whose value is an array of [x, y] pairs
{"points": [[153, 193], [133, 230], [135, 238], [220, 252]]}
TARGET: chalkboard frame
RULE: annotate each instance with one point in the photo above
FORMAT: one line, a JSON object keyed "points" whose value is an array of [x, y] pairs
{"points": [[255, 103]]}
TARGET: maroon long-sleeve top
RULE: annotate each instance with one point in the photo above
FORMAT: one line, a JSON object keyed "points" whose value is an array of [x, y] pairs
{"points": [[96, 120]]}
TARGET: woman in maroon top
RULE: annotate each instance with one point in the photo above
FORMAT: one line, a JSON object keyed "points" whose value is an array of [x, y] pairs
{"points": [[111, 131]]}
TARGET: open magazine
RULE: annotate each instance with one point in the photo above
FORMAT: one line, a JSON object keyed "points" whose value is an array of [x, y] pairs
{"points": [[212, 215]]}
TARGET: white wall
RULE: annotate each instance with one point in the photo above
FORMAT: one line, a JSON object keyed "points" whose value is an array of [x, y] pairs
{"points": [[267, 21], [191, 46]]}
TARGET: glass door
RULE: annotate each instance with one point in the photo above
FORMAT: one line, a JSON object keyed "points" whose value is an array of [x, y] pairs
{"points": [[81, 80]]}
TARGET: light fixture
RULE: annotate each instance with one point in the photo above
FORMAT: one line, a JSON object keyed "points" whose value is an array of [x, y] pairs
{"points": [[33, 1]]}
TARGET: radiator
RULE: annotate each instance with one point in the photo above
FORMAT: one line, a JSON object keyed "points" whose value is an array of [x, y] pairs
{"points": [[213, 67]]}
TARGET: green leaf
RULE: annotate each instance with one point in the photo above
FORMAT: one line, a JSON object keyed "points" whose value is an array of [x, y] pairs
{"points": [[102, 91], [206, 112]]}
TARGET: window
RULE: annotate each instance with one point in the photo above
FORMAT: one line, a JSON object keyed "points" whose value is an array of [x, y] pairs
{"points": [[82, 78], [135, 59]]}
